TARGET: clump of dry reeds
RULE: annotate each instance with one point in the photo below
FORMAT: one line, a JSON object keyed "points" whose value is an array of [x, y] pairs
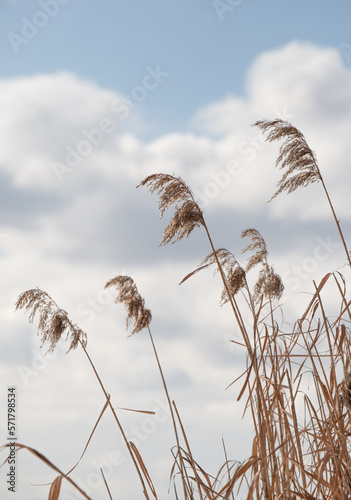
{"points": [[297, 383]]}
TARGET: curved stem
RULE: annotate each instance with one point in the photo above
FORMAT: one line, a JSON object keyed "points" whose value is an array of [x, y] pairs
{"points": [[336, 220], [184, 475], [117, 421]]}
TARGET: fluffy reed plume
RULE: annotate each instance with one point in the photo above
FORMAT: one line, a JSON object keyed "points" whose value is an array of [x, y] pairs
{"points": [[294, 154], [53, 321], [257, 245], [234, 273], [174, 191], [269, 283], [129, 296]]}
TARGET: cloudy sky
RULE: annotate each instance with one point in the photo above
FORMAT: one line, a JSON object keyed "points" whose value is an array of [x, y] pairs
{"points": [[94, 96]]}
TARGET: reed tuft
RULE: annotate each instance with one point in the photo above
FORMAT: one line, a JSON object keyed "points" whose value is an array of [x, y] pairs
{"points": [[269, 283], [235, 275], [295, 155], [129, 296], [53, 321], [174, 191]]}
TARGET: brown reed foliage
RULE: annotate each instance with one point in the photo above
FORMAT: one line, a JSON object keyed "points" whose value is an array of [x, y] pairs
{"points": [[297, 381]]}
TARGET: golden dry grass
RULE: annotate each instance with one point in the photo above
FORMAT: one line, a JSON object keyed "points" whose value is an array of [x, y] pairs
{"points": [[301, 444]]}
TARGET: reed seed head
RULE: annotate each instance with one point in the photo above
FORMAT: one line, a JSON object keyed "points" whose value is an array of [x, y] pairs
{"points": [[174, 191], [53, 321], [346, 391], [235, 274], [269, 283], [295, 155], [236, 280], [257, 245], [129, 296]]}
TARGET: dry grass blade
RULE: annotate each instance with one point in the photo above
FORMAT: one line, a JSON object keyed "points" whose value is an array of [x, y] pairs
{"points": [[143, 468], [129, 296], [320, 287], [91, 435], [147, 412], [189, 275], [53, 321], [49, 464], [294, 154], [173, 190], [55, 489]]}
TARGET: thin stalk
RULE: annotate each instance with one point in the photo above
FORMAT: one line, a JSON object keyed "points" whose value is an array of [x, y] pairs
{"points": [[253, 357], [183, 472], [117, 421], [336, 220], [231, 299]]}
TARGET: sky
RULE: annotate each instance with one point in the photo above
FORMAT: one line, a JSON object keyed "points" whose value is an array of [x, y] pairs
{"points": [[95, 96]]}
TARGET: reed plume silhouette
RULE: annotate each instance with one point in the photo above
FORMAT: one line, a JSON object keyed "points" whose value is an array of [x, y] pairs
{"points": [[300, 163], [173, 190], [53, 321], [129, 296]]}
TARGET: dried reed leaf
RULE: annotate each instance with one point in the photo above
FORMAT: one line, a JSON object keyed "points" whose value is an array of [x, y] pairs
{"points": [[147, 412], [243, 468], [295, 155], [53, 321], [91, 435], [315, 296], [173, 190], [129, 296], [143, 468], [189, 275], [55, 489], [41, 457]]}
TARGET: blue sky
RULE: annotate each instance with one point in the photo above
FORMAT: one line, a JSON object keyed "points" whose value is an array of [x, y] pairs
{"points": [[73, 149], [206, 50]]}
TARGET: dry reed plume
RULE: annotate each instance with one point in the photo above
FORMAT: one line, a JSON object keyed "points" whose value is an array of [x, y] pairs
{"points": [[295, 155], [300, 163], [53, 321], [129, 296], [173, 191], [269, 284]]}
